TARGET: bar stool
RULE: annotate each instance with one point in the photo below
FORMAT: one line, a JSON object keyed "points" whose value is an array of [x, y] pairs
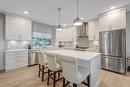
{"points": [[53, 68], [42, 60], [73, 73]]}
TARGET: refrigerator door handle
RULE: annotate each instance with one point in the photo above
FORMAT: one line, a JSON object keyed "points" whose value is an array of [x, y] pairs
{"points": [[113, 57]]}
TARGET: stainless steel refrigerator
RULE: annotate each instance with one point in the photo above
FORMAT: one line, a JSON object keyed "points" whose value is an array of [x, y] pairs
{"points": [[113, 49]]}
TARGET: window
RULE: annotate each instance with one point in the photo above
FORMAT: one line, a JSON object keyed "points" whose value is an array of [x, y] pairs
{"points": [[41, 39]]}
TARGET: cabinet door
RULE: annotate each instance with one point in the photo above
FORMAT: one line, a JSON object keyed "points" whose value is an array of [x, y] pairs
{"points": [[103, 23], [12, 60], [93, 31], [9, 62], [24, 59], [16, 59], [12, 28], [96, 30], [59, 35], [26, 30], [74, 34], [18, 28], [69, 34], [65, 34], [117, 20]]}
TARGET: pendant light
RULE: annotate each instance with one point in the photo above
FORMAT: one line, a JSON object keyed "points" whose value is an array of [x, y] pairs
{"points": [[59, 27], [78, 20]]}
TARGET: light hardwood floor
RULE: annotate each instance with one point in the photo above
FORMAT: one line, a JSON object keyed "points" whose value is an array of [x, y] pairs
{"points": [[28, 78]]}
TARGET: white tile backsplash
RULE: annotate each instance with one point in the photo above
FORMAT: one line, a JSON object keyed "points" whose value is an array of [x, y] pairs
{"points": [[68, 44], [12, 45], [83, 42], [93, 44]]}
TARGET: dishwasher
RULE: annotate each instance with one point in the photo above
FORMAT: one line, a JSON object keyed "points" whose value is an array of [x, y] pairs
{"points": [[32, 58]]}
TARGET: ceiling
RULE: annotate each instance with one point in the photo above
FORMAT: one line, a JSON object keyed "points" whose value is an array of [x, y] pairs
{"points": [[45, 11]]}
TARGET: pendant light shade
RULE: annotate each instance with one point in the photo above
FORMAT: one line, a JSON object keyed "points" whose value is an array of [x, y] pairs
{"points": [[78, 21], [59, 27]]}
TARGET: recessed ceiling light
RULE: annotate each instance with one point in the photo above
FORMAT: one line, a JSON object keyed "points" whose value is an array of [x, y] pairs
{"points": [[26, 12], [113, 7]]}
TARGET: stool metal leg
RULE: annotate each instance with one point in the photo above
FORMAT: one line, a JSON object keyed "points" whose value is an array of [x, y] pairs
{"points": [[64, 82], [39, 70], [43, 67], [74, 85], [58, 74], [54, 81], [48, 77], [88, 78]]}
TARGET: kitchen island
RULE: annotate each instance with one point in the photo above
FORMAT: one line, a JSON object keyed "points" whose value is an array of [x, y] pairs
{"points": [[90, 60]]}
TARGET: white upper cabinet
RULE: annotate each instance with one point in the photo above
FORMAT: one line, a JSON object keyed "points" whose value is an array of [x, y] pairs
{"points": [[117, 19], [67, 34], [113, 20], [18, 28], [74, 34], [93, 32], [103, 22], [26, 32], [59, 35]]}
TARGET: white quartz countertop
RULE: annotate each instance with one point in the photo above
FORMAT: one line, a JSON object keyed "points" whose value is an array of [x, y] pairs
{"points": [[84, 55], [16, 50]]}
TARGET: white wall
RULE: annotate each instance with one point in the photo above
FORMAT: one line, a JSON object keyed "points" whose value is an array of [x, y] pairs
{"points": [[39, 27]]}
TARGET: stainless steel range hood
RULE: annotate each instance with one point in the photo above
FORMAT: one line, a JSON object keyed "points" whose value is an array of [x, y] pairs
{"points": [[82, 31]]}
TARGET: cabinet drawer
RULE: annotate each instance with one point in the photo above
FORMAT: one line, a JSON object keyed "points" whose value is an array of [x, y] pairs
{"points": [[10, 54], [10, 57], [16, 60], [13, 67], [10, 62], [13, 54]]}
